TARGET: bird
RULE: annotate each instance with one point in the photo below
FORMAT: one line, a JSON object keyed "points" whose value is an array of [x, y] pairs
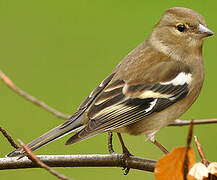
{"points": [[151, 87]]}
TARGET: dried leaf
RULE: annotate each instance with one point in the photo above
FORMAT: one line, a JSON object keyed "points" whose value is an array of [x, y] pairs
{"points": [[171, 165]]}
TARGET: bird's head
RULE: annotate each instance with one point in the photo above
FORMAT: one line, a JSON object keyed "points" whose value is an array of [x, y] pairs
{"points": [[180, 29]]}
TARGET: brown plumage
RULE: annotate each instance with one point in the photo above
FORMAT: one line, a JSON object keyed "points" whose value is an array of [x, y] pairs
{"points": [[150, 88]]}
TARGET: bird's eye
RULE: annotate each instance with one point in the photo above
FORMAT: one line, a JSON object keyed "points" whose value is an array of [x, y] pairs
{"points": [[181, 27]]}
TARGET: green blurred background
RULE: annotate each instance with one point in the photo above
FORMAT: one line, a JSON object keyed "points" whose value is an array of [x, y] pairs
{"points": [[59, 51]]}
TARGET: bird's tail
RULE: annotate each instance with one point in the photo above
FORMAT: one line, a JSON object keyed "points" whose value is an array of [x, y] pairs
{"points": [[53, 134]]}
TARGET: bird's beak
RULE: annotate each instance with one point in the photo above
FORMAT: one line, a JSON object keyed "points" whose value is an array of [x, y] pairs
{"points": [[204, 31]]}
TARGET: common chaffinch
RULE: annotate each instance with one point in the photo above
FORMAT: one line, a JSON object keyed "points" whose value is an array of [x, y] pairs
{"points": [[151, 87]]}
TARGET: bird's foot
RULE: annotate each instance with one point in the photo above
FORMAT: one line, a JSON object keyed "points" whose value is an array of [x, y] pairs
{"points": [[126, 155]]}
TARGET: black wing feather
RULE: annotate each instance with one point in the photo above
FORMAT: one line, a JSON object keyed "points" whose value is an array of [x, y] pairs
{"points": [[113, 109], [136, 108]]}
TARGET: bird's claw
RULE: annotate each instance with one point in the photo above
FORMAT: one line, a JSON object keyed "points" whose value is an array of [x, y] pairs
{"points": [[126, 155], [126, 170]]}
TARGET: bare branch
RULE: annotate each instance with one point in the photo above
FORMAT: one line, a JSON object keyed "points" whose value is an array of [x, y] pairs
{"points": [[90, 160], [35, 159], [30, 98], [179, 122], [200, 151], [9, 138]]}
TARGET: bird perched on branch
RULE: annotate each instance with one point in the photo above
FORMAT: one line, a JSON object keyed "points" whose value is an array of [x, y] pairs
{"points": [[150, 88]]}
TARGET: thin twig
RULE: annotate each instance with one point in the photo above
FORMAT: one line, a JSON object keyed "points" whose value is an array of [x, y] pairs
{"points": [[30, 98], [35, 159], [200, 151], [90, 160], [9, 138], [179, 122]]}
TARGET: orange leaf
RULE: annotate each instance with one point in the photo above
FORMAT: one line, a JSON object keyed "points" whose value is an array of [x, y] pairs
{"points": [[171, 165]]}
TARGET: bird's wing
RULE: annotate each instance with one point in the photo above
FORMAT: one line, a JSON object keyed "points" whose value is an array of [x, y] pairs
{"points": [[122, 103]]}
